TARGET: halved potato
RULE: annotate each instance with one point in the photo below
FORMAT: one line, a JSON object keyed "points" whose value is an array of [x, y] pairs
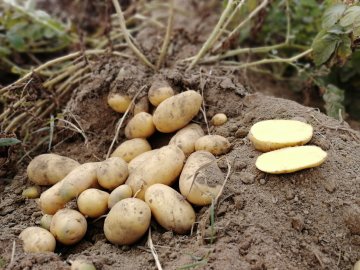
{"points": [[291, 159]]}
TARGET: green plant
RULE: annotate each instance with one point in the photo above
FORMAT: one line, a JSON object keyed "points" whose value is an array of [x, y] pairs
{"points": [[8, 141]]}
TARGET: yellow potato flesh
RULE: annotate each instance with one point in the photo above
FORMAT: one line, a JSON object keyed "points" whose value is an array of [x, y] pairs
{"points": [[36, 239], [130, 149], [291, 159]]}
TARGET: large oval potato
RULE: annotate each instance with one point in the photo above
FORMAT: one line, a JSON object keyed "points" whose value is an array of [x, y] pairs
{"points": [[274, 134], [130, 149], [215, 144], [163, 167], [127, 221], [48, 169], [134, 163], [119, 102], [177, 111], [140, 126], [158, 92], [170, 208], [93, 202], [112, 172], [201, 179], [118, 194], [186, 137], [36, 239]]}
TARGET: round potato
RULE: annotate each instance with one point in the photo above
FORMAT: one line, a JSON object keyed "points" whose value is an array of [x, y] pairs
{"points": [[158, 92], [127, 221], [134, 163], [163, 167], [170, 208], [45, 221], [112, 172], [48, 169], [140, 126], [36, 239], [119, 102], [80, 264], [130, 149], [186, 137], [219, 119], [118, 194], [201, 179], [141, 106], [31, 192], [215, 144], [68, 226], [93, 202], [177, 111], [270, 135]]}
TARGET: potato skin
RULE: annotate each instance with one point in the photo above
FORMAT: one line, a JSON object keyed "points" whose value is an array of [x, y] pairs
{"points": [[170, 208], [140, 126], [31, 192], [36, 239], [163, 167], [215, 144], [48, 169], [93, 202], [112, 172], [134, 163], [186, 137], [141, 106], [200, 191], [68, 226], [127, 221], [45, 221], [159, 92], [82, 265], [119, 102], [219, 119], [118, 194], [177, 111], [130, 149]]}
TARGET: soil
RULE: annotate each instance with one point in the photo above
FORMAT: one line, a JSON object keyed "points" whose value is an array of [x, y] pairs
{"points": [[304, 220]]}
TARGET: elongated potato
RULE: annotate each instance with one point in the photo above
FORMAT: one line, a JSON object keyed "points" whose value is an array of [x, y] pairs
{"points": [[45, 221], [170, 208], [118, 194], [119, 102], [270, 135], [93, 202], [140, 126], [291, 159], [219, 119], [78, 180], [68, 226], [163, 167], [186, 137], [36, 239], [158, 92], [141, 106], [130, 149], [112, 172], [177, 111], [134, 163], [215, 144], [127, 221], [48, 169], [203, 188]]}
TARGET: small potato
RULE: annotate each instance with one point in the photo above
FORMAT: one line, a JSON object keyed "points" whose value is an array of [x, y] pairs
{"points": [[291, 159], [141, 106], [31, 192], [170, 208], [163, 167], [215, 144], [270, 135], [68, 226], [93, 202], [186, 137], [45, 221], [134, 163], [36, 239], [127, 221], [201, 178], [140, 126], [82, 265], [177, 111], [112, 172], [118, 194], [130, 149], [48, 169], [119, 102], [158, 92], [219, 119]]}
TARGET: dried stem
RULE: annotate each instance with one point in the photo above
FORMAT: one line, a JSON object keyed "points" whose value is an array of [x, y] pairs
{"points": [[153, 251]]}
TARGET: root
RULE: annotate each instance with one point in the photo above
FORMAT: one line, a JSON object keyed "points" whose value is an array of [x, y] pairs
{"points": [[153, 251]]}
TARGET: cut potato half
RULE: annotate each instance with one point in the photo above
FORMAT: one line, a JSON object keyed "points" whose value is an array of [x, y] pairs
{"points": [[291, 159], [275, 134]]}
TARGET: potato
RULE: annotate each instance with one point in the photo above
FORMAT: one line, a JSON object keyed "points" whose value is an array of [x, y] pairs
{"points": [[158, 92], [140, 126], [119, 102], [186, 137], [127, 221], [48, 169], [291, 159], [68, 226], [36, 239], [118, 194], [82, 265], [45, 221], [270, 135], [141, 106], [78, 180], [219, 119], [31, 192], [93, 202], [202, 189], [215, 144], [134, 163], [163, 167], [170, 208], [357, 266], [130, 149], [112, 172], [177, 111]]}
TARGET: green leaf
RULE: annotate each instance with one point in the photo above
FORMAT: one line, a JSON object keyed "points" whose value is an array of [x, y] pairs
{"points": [[16, 41], [332, 15], [4, 51], [334, 101], [344, 50], [8, 141], [324, 46], [356, 28], [350, 15]]}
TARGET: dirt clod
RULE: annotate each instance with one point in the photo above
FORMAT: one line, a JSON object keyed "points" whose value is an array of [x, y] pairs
{"points": [[298, 222], [352, 218]]}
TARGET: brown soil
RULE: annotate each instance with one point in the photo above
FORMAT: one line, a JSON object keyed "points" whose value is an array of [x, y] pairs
{"points": [[304, 220]]}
